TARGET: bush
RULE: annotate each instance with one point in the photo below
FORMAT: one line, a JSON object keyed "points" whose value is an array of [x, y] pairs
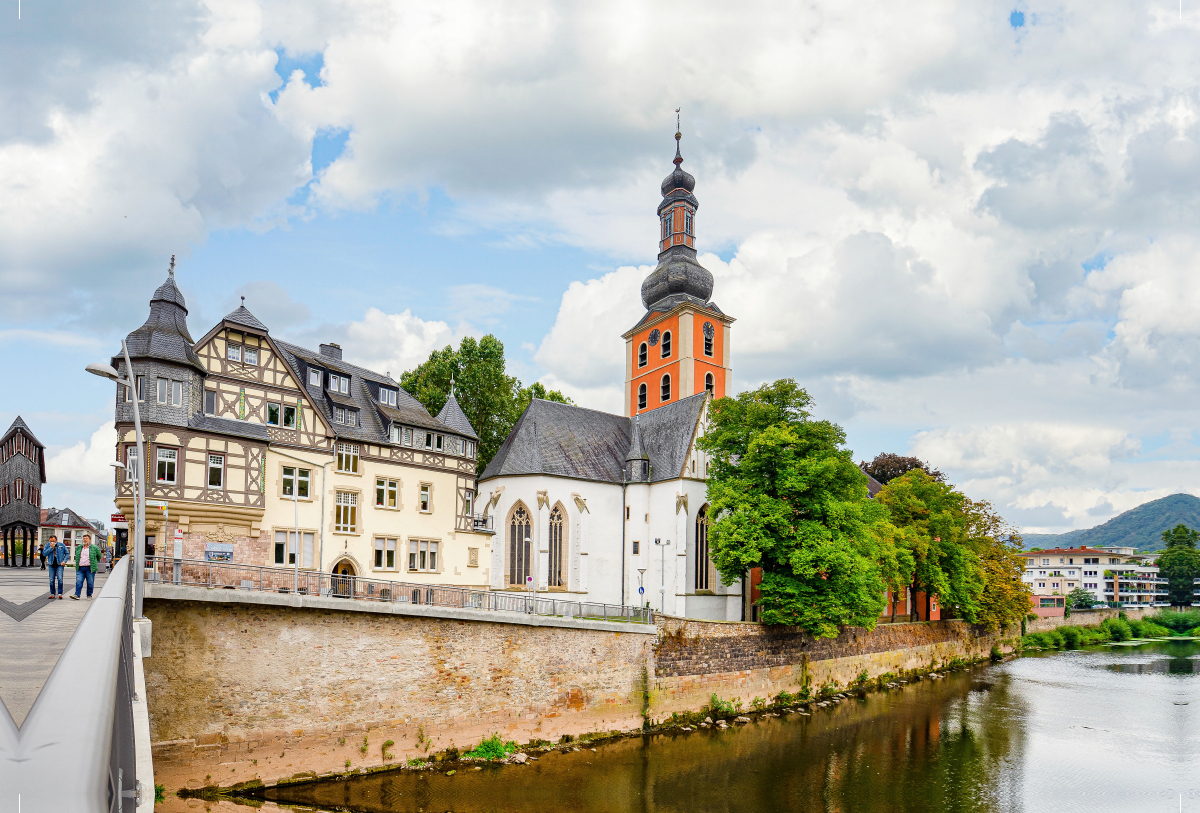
{"points": [[492, 748], [723, 708], [1072, 637], [1055, 639], [1148, 629], [1118, 629], [1180, 622]]}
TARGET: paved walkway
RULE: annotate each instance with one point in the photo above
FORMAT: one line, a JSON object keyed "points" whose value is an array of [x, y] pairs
{"points": [[33, 632]]}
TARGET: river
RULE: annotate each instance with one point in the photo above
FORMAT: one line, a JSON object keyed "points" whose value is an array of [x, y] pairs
{"points": [[1105, 729]]}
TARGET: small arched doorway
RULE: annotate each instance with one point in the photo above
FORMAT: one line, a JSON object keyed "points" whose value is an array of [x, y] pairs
{"points": [[342, 578]]}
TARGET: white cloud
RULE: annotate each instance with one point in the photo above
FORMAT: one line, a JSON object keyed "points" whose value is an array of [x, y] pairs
{"points": [[80, 476], [393, 342]]}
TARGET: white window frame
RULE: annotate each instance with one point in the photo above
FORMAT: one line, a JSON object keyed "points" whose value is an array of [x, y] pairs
{"points": [[277, 408], [425, 498], [345, 512], [408, 436], [664, 388], [289, 424], [423, 556], [140, 383], [249, 353], [439, 443], [314, 377], [215, 462], [164, 390], [233, 352], [350, 450], [396, 434], [429, 440], [643, 355], [664, 348], [176, 393], [386, 553], [297, 480], [213, 393], [166, 459], [339, 415]]}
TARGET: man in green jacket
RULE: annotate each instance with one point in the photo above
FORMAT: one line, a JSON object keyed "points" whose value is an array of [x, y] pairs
{"points": [[87, 556]]}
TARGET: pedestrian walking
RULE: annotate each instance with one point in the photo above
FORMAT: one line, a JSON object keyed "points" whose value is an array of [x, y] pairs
{"points": [[56, 554], [87, 557], [42, 556]]}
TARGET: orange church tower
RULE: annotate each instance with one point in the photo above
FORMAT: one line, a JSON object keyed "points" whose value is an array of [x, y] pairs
{"points": [[681, 346]]}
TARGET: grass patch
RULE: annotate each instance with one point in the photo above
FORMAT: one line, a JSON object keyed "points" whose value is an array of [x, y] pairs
{"points": [[492, 748]]}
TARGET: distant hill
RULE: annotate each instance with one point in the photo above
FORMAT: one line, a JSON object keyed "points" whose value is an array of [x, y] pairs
{"points": [[1140, 528]]}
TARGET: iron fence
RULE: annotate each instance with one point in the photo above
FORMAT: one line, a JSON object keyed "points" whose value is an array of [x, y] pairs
{"points": [[262, 578]]}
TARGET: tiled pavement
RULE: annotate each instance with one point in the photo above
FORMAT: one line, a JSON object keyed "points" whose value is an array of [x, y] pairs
{"points": [[34, 631]]}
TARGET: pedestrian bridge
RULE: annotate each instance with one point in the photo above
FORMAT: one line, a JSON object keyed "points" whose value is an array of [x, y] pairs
{"points": [[74, 729]]}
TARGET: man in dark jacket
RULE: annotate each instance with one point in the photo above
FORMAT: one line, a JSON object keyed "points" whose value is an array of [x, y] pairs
{"points": [[87, 557], [56, 554]]}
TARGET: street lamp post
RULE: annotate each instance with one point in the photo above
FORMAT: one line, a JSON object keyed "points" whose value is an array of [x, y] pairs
{"points": [[139, 523], [662, 570]]}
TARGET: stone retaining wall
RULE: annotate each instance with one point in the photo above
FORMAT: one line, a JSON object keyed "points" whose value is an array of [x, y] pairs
{"points": [[1088, 618], [244, 688]]}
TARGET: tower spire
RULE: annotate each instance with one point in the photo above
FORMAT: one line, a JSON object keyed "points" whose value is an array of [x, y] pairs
{"points": [[171, 270], [678, 135]]}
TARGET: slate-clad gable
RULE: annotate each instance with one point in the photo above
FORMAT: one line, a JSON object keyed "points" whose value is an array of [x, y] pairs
{"points": [[570, 441], [244, 317]]}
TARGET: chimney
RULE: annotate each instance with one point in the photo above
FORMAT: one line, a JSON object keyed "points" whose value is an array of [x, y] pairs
{"points": [[334, 351]]}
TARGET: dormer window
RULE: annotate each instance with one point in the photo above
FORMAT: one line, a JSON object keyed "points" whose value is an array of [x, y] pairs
{"points": [[233, 352], [250, 355], [387, 397], [339, 383], [314, 378], [346, 417], [408, 437]]}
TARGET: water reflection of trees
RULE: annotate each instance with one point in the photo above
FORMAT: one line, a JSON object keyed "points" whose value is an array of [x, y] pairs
{"points": [[953, 744]]}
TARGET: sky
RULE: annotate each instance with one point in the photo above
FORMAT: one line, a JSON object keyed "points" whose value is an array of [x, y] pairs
{"points": [[967, 229]]}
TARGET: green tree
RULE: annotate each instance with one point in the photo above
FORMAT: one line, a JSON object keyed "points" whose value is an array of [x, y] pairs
{"points": [[1005, 599], [1180, 564], [932, 518], [786, 496], [491, 399], [1080, 599], [887, 467]]}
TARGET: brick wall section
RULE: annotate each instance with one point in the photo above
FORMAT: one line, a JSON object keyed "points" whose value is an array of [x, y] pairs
{"points": [[702, 647]]}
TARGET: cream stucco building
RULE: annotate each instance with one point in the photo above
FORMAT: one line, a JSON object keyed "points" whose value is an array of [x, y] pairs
{"points": [[248, 437]]}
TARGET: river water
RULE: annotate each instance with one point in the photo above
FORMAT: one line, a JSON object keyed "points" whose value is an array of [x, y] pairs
{"points": [[1107, 729]]}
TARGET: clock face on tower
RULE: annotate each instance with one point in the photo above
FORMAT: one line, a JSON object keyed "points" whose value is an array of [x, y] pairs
{"points": [[654, 337], [708, 330]]}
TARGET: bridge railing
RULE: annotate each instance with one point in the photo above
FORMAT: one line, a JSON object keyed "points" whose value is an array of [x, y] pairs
{"points": [[75, 750], [233, 576]]}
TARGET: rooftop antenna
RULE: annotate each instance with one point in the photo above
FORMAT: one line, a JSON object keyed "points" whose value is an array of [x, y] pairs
{"points": [[171, 270]]}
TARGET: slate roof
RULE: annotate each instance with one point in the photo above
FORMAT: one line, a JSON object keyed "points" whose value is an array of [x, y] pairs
{"points": [[453, 416], [374, 417], [19, 423], [242, 316], [228, 426], [570, 441], [65, 518], [164, 336]]}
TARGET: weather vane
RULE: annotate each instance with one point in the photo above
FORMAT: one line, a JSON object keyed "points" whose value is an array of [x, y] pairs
{"points": [[171, 270], [677, 127]]}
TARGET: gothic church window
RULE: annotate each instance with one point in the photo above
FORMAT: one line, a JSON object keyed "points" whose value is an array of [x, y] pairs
{"points": [[558, 548], [518, 546], [666, 388], [703, 563]]}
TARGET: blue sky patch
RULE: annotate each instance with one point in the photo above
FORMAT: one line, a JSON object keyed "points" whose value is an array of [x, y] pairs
{"points": [[1096, 262], [327, 146], [1017, 19], [311, 64]]}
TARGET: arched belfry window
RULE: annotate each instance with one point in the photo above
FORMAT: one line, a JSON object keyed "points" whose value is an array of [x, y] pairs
{"points": [[641, 396], [666, 345], [666, 224], [558, 547], [708, 383], [704, 568], [666, 388], [520, 530], [642, 355]]}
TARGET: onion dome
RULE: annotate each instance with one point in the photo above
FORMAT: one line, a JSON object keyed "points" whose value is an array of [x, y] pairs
{"points": [[678, 179], [678, 278]]}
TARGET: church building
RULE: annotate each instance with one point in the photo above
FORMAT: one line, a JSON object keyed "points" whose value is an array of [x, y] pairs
{"points": [[611, 508]]}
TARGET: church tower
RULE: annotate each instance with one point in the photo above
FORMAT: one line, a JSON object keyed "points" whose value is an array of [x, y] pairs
{"points": [[681, 346]]}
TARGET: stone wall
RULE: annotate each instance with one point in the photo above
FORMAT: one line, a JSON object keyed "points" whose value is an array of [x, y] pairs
{"points": [[244, 687], [696, 659], [1088, 618]]}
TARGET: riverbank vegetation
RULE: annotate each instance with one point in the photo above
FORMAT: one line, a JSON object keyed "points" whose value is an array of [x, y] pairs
{"points": [[788, 498], [1160, 625]]}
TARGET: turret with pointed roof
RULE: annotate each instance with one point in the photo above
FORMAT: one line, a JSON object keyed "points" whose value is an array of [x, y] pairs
{"points": [[164, 336], [453, 416], [22, 473]]}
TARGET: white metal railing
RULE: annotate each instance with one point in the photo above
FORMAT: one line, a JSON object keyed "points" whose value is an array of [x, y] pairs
{"points": [[234, 576]]}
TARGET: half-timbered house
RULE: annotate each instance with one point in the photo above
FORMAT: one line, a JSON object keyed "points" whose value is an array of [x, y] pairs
{"points": [[263, 451]]}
